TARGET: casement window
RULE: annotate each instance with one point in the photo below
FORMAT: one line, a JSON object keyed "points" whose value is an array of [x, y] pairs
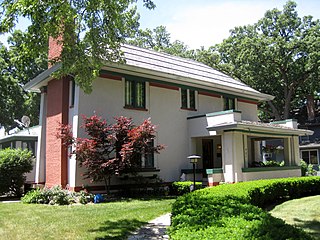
{"points": [[147, 160], [135, 94], [229, 103], [188, 99], [310, 156]]}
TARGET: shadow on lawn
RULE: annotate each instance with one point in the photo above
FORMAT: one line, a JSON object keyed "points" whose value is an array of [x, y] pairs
{"points": [[117, 229], [312, 227]]}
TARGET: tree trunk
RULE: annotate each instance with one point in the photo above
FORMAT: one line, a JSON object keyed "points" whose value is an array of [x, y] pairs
{"points": [[287, 103], [107, 183], [310, 107], [275, 111]]}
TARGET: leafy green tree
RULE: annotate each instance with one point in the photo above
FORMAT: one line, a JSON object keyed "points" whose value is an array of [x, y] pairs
{"points": [[17, 68], [84, 28], [279, 55], [159, 39]]}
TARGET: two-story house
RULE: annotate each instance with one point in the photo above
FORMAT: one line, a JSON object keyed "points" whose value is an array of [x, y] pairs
{"points": [[197, 109]]}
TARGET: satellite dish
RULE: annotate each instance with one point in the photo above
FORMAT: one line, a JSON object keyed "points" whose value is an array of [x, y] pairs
{"points": [[25, 121]]}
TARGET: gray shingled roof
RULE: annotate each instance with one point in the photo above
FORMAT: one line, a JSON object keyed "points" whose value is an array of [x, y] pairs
{"points": [[166, 63], [162, 63]]}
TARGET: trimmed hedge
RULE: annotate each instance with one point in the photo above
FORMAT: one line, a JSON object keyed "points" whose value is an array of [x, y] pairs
{"points": [[234, 211], [180, 188]]}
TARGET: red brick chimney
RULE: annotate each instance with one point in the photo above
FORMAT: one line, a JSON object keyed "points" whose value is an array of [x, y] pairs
{"points": [[55, 50], [57, 112]]}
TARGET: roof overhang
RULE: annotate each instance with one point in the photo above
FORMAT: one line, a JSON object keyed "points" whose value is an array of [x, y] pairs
{"points": [[252, 128], [42, 79]]}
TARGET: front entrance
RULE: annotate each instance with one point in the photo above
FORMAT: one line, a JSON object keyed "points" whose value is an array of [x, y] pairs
{"points": [[207, 155], [211, 154]]}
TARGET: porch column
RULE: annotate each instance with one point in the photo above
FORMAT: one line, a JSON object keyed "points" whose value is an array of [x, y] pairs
{"points": [[233, 156], [295, 160]]}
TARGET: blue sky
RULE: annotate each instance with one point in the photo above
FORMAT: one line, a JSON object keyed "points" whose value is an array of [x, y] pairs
{"points": [[207, 22]]}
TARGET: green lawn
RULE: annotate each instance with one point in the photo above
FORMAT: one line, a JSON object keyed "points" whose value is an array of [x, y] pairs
{"points": [[303, 213], [112, 220]]}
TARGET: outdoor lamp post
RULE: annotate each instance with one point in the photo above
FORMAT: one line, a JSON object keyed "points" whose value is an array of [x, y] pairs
{"points": [[194, 159]]}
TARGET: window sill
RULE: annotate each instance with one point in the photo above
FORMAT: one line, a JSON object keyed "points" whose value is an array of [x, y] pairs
{"points": [[188, 109], [135, 108]]}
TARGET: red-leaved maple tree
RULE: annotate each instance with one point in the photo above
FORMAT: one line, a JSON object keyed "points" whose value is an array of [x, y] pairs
{"points": [[110, 149]]}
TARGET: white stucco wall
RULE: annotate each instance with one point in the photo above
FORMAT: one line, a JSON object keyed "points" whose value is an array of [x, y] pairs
{"points": [[249, 111], [164, 107]]}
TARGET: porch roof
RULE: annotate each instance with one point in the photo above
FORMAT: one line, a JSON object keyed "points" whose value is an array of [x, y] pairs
{"points": [[259, 128]]}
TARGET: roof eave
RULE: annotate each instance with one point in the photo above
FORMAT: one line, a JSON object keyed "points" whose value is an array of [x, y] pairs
{"points": [[253, 128], [41, 80]]}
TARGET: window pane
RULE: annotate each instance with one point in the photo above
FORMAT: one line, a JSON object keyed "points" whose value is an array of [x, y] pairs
{"points": [[192, 99], [149, 158], [305, 156], [314, 157], [184, 98], [140, 94], [129, 93], [229, 103]]}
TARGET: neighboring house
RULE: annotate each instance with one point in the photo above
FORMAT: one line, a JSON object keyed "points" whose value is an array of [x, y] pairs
{"points": [[310, 145], [198, 110], [24, 139]]}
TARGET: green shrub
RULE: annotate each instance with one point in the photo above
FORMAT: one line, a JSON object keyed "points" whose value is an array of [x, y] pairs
{"points": [[180, 188], [14, 163], [304, 167], [56, 196], [234, 211]]}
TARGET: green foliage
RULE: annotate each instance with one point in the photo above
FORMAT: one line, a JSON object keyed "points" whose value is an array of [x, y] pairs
{"points": [[14, 163], [159, 39], [17, 68], [85, 29], [180, 188], [307, 169], [56, 196], [233, 211], [278, 55], [304, 167]]}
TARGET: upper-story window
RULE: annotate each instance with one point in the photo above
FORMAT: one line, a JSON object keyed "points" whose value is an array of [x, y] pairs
{"points": [[135, 94], [229, 103], [188, 99]]}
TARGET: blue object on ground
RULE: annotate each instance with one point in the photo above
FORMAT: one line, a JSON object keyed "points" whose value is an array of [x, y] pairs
{"points": [[98, 198]]}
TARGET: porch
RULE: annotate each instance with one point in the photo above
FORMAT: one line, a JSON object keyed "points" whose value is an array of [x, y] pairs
{"points": [[244, 150]]}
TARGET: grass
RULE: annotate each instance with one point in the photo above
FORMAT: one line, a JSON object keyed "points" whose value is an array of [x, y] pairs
{"points": [[302, 213], [112, 220]]}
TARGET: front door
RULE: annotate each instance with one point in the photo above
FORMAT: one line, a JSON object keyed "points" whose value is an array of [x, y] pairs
{"points": [[207, 155]]}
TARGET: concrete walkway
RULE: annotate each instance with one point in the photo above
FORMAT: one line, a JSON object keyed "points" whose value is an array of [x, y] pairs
{"points": [[155, 229]]}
